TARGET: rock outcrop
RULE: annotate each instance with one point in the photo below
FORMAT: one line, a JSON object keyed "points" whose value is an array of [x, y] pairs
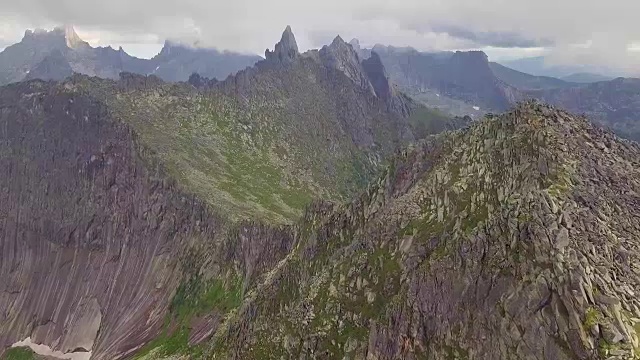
{"points": [[286, 50], [384, 89], [72, 40], [341, 56]]}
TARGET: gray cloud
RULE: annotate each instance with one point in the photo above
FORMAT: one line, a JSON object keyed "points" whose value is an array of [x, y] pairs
{"points": [[505, 39], [253, 25]]}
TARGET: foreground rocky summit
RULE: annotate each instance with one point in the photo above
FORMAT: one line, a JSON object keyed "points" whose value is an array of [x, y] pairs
{"points": [[516, 238]]}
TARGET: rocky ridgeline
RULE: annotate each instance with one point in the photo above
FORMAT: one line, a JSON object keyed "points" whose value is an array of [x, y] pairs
{"points": [[53, 55], [516, 238]]}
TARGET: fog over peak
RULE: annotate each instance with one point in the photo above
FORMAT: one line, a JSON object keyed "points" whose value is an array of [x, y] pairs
{"points": [[597, 32]]}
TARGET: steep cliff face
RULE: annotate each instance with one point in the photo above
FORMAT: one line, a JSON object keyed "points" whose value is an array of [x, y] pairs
{"points": [[513, 239], [101, 252], [89, 236], [457, 82]]}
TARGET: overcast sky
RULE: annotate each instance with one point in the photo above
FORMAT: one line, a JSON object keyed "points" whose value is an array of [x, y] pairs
{"points": [[604, 32]]}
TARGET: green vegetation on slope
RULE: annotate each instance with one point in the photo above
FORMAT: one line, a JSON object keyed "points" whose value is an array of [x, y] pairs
{"points": [[194, 298], [19, 353], [265, 155], [453, 244], [208, 147]]}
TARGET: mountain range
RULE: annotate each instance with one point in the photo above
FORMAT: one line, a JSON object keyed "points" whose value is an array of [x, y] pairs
{"points": [[455, 83], [467, 83], [580, 73], [308, 207], [50, 54]]}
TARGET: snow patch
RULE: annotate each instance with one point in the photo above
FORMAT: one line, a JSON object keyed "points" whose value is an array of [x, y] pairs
{"points": [[476, 108], [45, 350]]}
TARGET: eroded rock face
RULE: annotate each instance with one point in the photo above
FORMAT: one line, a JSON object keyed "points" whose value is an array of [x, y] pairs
{"points": [[90, 237]]}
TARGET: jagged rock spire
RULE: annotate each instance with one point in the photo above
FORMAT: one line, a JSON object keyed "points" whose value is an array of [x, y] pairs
{"points": [[286, 50], [343, 57]]}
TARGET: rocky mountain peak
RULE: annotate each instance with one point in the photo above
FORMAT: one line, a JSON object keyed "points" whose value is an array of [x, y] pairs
{"points": [[58, 37], [382, 85], [472, 57], [286, 50], [341, 56], [338, 41], [355, 43], [166, 48], [71, 37]]}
